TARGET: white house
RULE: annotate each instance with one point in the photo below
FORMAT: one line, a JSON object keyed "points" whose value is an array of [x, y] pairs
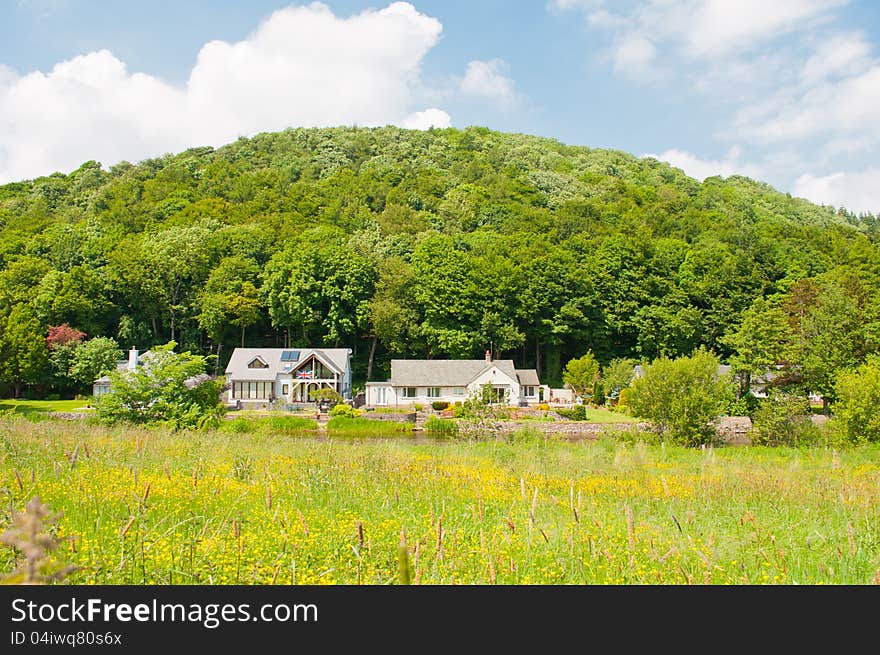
{"points": [[101, 386], [260, 375], [453, 380]]}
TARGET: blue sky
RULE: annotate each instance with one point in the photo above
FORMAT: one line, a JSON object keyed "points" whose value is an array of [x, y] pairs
{"points": [[786, 91]]}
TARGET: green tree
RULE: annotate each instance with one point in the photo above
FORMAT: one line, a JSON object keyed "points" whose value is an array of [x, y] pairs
{"points": [[682, 397], [94, 358], [581, 374], [618, 375], [759, 342], [170, 389], [858, 396], [24, 355]]}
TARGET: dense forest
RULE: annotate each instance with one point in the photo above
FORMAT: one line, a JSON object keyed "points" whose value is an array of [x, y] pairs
{"points": [[440, 243]]}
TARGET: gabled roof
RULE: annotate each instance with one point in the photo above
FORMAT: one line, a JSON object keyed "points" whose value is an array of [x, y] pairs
{"points": [[282, 361], [122, 365], [444, 372], [528, 376]]}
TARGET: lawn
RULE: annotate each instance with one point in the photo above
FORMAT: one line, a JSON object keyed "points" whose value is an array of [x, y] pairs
{"points": [[150, 506], [30, 406], [605, 415]]}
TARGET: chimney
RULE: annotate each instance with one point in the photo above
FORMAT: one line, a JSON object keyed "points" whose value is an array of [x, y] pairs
{"points": [[488, 355], [132, 358]]}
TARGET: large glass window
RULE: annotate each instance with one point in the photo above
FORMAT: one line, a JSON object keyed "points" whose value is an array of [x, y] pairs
{"points": [[433, 392], [409, 392]]}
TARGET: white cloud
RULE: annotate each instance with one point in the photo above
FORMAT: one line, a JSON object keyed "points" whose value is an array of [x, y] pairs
{"points": [[708, 28], [424, 120], [633, 55], [714, 28], [858, 192], [303, 66], [700, 169], [486, 79], [841, 55], [849, 107]]}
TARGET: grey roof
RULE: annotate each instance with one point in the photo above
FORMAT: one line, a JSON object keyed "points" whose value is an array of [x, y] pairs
{"points": [[444, 372], [528, 376], [335, 358]]}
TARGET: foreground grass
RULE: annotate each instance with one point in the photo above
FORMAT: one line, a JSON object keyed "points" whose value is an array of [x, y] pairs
{"points": [[156, 507], [33, 406]]}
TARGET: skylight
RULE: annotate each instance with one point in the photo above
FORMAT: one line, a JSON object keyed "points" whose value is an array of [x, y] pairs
{"points": [[290, 356]]}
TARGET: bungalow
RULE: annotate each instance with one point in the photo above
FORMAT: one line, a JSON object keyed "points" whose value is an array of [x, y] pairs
{"points": [[260, 375], [454, 380], [102, 386]]}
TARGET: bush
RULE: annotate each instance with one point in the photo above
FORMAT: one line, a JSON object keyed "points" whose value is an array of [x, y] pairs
{"points": [[171, 389], [440, 425], [856, 414], [784, 420], [344, 410], [544, 407], [457, 409], [598, 394], [576, 413], [744, 406], [682, 397], [439, 405], [418, 407]]}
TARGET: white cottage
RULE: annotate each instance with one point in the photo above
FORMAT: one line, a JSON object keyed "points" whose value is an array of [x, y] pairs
{"points": [[102, 385], [260, 375], [453, 380]]}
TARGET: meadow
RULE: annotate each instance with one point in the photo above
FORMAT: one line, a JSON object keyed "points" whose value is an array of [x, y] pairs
{"points": [[147, 506]]}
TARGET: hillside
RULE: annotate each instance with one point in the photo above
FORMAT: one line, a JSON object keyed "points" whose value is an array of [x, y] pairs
{"points": [[423, 244]]}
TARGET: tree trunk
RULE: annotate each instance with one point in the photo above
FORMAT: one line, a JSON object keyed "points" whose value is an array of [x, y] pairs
{"points": [[217, 361], [242, 336], [18, 389], [538, 357], [370, 360], [172, 326], [825, 409], [154, 326]]}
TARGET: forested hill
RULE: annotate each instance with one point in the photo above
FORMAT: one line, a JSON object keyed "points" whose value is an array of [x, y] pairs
{"points": [[422, 244]]}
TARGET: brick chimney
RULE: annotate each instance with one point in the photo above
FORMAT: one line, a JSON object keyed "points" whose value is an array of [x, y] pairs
{"points": [[132, 358], [488, 355]]}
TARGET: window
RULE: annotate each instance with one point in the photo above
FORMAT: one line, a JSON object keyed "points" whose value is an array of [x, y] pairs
{"points": [[433, 392], [458, 391], [252, 390], [528, 392], [290, 356], [284, 389], [257, 362], [409, 392], [380, 395]]}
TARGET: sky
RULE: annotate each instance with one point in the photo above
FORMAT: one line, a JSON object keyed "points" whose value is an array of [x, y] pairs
{"points": [[784, 91]]}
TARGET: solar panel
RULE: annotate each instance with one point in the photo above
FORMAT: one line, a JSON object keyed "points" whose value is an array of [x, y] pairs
{"points": [[290, 356]]}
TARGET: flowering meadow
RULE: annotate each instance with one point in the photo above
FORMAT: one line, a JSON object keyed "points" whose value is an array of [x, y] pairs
{"points": [[154, 507]]}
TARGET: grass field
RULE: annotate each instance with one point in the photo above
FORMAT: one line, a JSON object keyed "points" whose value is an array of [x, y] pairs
{"points": [[605, 415], [222, 507], [31, 406]]}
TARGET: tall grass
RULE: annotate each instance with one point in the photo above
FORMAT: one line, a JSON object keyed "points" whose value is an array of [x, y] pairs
{"points": [[356, 426], [151, 506]]}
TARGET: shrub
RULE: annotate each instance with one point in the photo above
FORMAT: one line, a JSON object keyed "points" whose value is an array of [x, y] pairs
{"points": [[784, 420], [858, 396], [439, 405], [344, 410], [682, 397], [544, 407], [440, 425], [598, 394], [457, 410], [576, 413], [744, 406], [418, 407], [171, 389]]}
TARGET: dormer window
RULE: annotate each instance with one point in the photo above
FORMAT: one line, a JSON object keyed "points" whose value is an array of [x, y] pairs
{"points": [[258, 362]]}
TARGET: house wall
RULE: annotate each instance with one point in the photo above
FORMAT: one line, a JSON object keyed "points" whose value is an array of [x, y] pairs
{"points": [[496, 377]]}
